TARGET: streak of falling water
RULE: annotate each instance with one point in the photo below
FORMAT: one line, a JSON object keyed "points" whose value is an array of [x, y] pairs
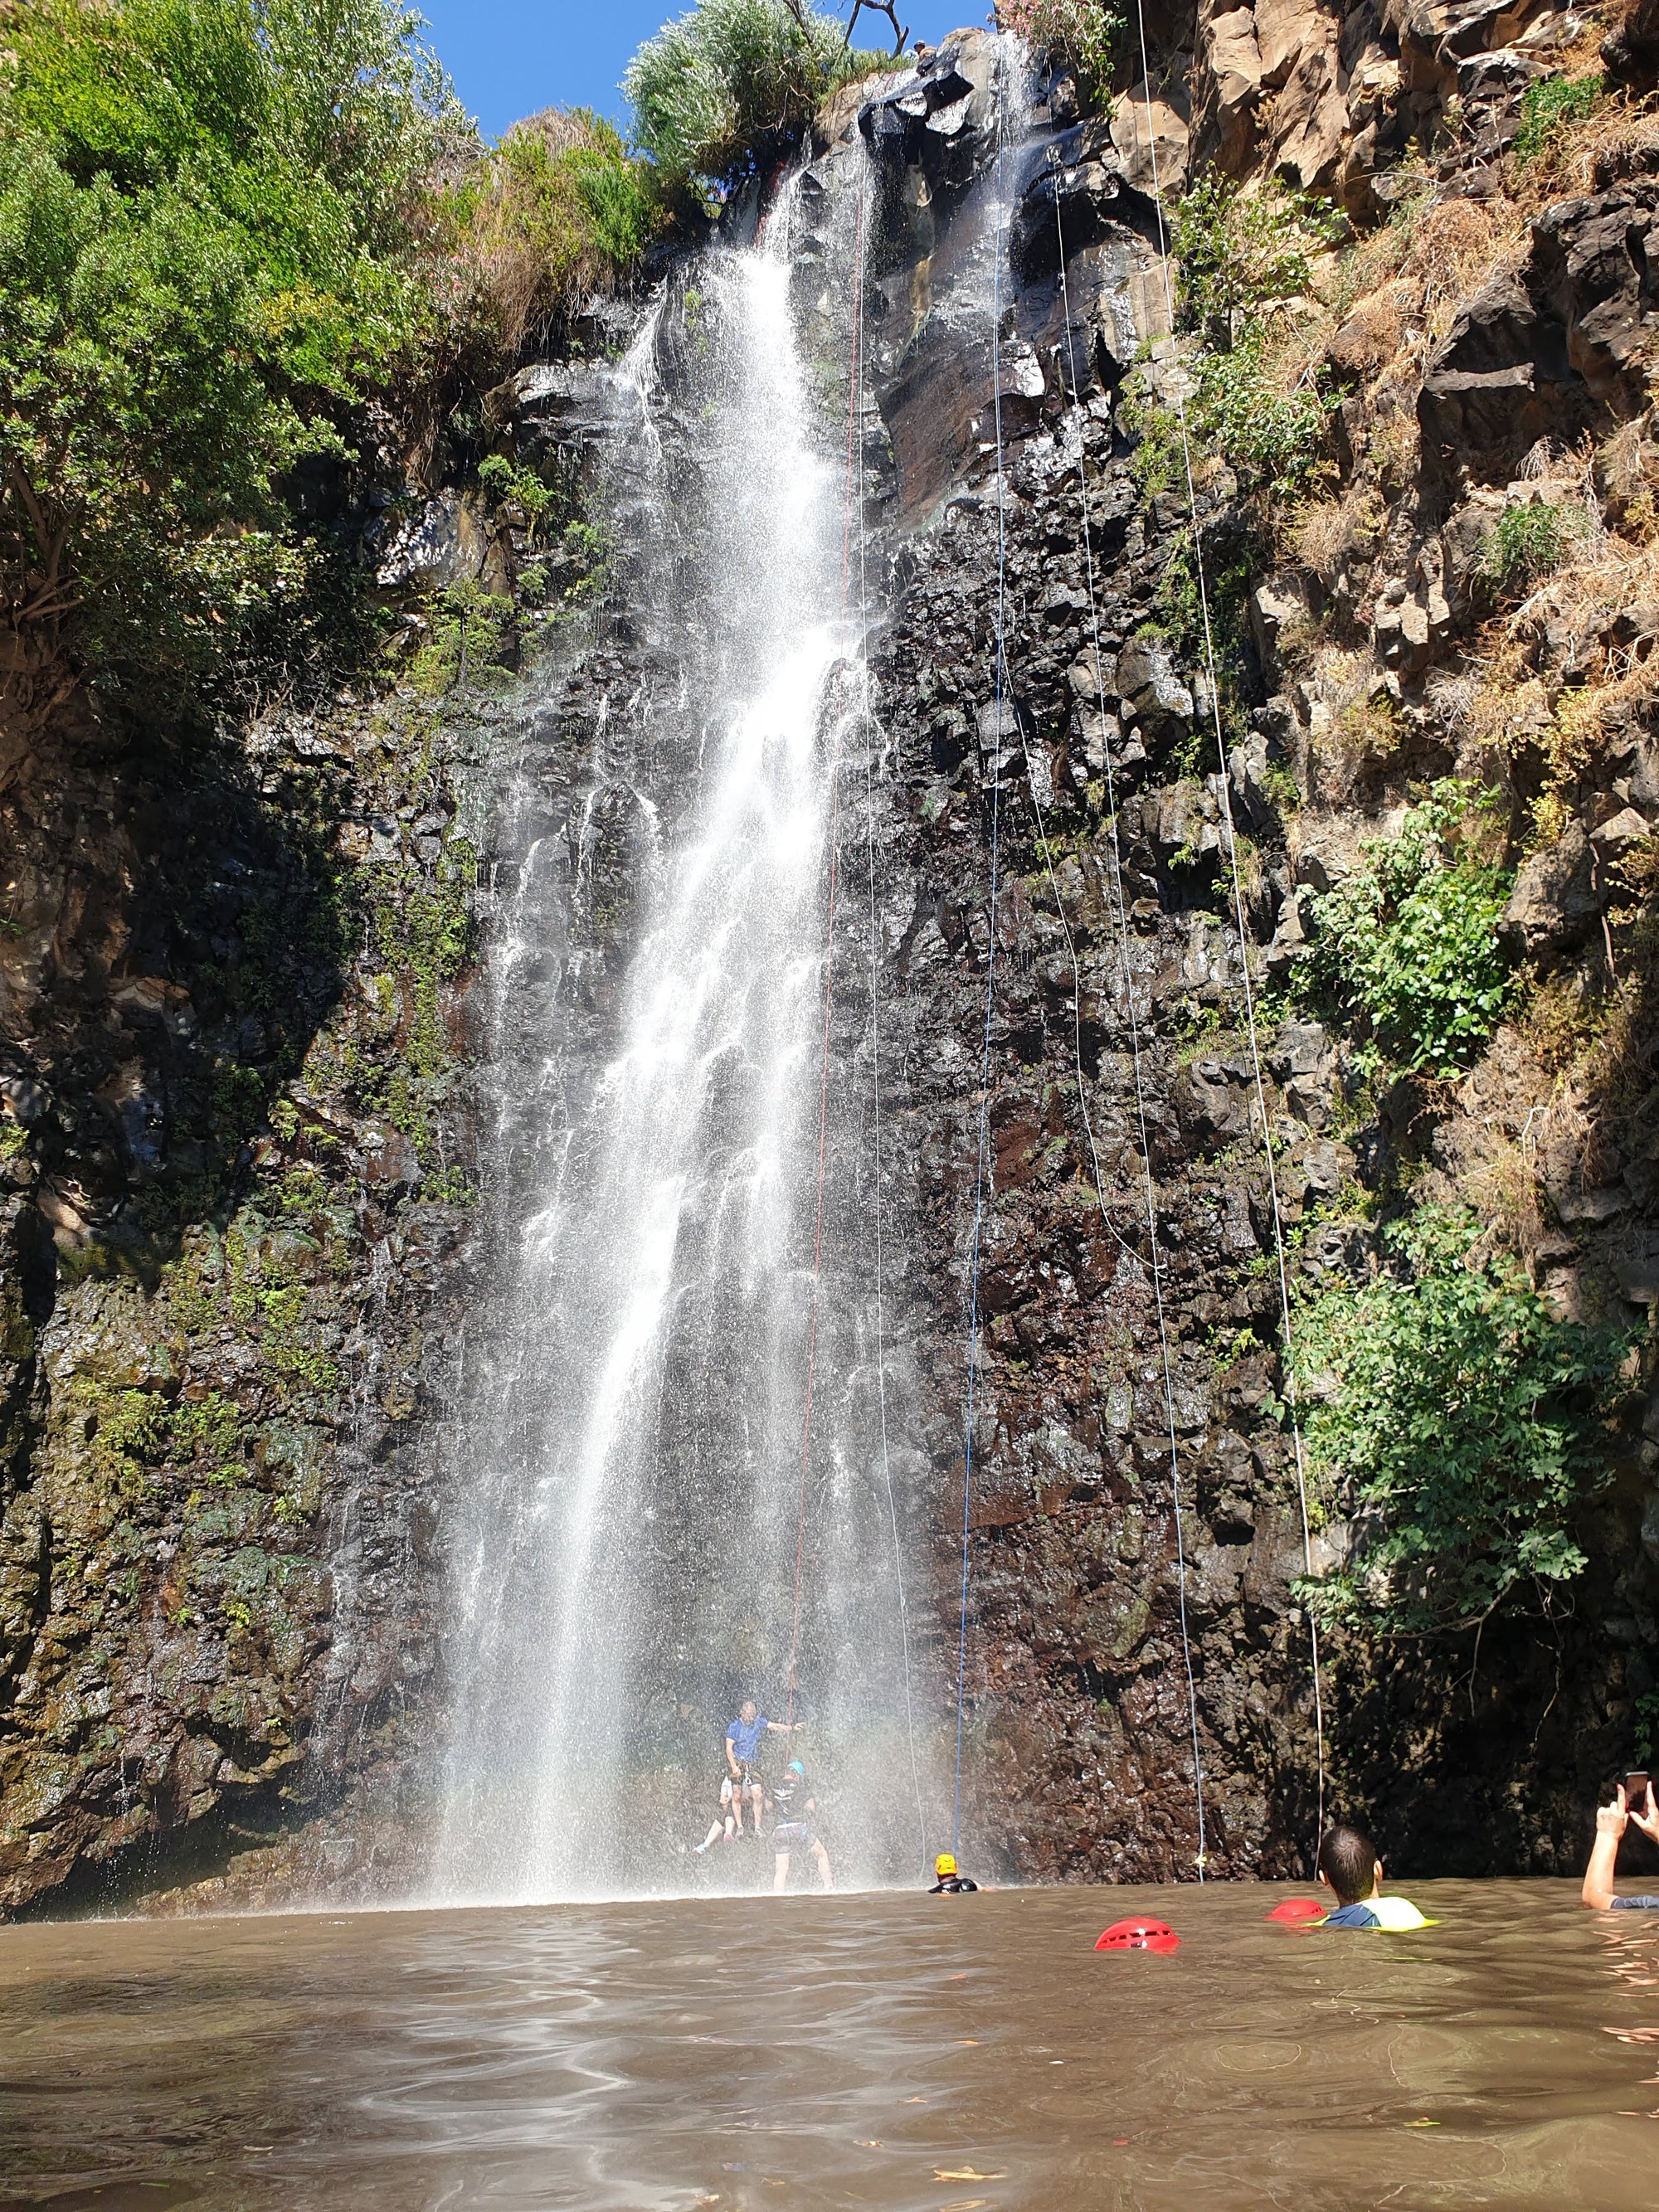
{"points": [[626, 1548]]}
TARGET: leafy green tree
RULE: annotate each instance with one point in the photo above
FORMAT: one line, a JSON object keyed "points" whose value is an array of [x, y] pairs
{"points": [[1240, 254], [1407, 945], [732, 83], [208, 256], [1465, 1425]]}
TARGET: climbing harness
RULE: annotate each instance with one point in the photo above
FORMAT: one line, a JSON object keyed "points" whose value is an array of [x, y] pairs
{"points": [[1156, 1265], [855, 414], [998, 677], [1238, 909]]}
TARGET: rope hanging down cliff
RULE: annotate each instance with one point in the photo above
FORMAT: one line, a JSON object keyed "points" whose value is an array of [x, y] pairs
{"points": [[1155, 1262], [855, 497], [998, 684], [1239, 906], [829, 980]]}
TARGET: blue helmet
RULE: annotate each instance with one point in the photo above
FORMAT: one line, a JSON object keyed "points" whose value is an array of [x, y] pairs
{"points": [[794, 1767]]}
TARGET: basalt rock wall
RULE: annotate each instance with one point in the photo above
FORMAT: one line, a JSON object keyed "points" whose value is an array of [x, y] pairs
{"points": [[246, 1131], [1104, 993]]}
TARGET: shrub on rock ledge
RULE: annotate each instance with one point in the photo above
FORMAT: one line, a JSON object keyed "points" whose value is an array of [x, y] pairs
{"points": [[1407, 946], [722, 91], [1464, 1426]]}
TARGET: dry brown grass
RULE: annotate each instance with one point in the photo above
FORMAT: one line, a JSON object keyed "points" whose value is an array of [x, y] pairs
{"points": [[1318, 535], [1502, 1189], [1564, 627], [1620, 139]]}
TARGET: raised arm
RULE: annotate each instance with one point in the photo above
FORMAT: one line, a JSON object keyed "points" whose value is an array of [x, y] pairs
{"points": [[1597, 1893]]}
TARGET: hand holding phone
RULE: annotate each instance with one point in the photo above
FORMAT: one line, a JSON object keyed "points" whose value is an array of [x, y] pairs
{"points": [[1635, 1796]]}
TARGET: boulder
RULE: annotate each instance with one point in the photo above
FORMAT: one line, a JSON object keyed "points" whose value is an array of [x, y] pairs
{"points": [[1151, 141], [555, 407], [1541, 351], [1554, 905], [1152, 694], [1617, 839], [1233, 63], [443, 544], [1631, 50], [1277, 604], [1213, 1103]]}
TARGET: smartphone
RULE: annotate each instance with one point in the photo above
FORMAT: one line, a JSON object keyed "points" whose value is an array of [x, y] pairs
{"points": [[1636, 1793]]}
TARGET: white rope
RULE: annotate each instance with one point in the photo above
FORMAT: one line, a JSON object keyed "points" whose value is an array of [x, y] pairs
{"points": [[1238, 909], [856, 402], [1134, 1048], [999, 674]]}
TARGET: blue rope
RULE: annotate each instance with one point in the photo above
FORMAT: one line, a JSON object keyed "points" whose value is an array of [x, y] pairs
{"points": [[990, 964]]}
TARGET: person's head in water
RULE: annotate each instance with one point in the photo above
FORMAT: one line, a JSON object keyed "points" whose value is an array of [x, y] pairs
{"points": [[1348, 1864]]}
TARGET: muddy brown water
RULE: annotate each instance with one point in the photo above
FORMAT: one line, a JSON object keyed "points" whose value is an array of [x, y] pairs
{"points": [[912, 2054]]}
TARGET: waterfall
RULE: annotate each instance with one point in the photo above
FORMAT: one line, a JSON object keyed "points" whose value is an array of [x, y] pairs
{"points": [[629, 1500]]}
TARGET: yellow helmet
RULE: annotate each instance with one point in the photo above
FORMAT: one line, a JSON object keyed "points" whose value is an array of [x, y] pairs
{"points": [[943, 1865]]}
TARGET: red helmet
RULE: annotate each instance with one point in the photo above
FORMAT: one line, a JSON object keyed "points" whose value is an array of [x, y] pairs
{"points": [[1138, 1935]]}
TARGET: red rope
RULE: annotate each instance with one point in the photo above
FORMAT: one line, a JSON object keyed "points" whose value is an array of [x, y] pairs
{"points": [[828, 952]]}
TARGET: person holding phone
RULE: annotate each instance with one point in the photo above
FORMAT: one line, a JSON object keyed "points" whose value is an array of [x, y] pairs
{"points": [[1632, 1802]]}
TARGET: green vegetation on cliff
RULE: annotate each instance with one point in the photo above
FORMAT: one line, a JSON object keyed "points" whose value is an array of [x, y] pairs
{"points": [[1407, 947], [1241, 263], [1464, 1424], [207, 260], [249, 249]]}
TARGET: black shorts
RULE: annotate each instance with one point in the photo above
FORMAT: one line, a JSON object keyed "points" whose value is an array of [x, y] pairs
{"points": [[793, 1835]]}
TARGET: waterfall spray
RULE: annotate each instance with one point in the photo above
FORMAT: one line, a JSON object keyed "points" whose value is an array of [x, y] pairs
{"points": [[629, 1538]]}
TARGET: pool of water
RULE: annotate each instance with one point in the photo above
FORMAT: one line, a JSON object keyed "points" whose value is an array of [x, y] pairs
{"points": [[912, 2054]]}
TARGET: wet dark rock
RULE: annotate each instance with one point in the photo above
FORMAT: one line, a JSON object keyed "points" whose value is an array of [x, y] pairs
{"points": [[443, 544]]}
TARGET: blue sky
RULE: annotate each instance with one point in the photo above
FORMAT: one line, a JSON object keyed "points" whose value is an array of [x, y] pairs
{"points": [[509, 57]]}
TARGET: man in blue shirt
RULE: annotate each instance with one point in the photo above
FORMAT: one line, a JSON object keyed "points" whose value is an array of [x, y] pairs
{"points": [[743, 1742]]}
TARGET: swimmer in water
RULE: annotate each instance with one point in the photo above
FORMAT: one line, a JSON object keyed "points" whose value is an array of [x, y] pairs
{"points": [[794, 1809], [1348, 1865], [1611, 1821], [947, 1882]]}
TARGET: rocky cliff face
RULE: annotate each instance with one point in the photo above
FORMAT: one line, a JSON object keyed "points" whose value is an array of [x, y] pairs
{"points": [[236, 1178], [241, 1154], [1493, 357]]}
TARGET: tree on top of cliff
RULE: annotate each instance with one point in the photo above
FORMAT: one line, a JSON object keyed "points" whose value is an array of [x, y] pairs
{"points": [[210, 253], [732, 86], [552, 214]]}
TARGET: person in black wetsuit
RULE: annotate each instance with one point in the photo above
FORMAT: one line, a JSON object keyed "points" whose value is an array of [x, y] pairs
{"points": [[794, 1809], [947, 1882], [1611, 1821]]}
